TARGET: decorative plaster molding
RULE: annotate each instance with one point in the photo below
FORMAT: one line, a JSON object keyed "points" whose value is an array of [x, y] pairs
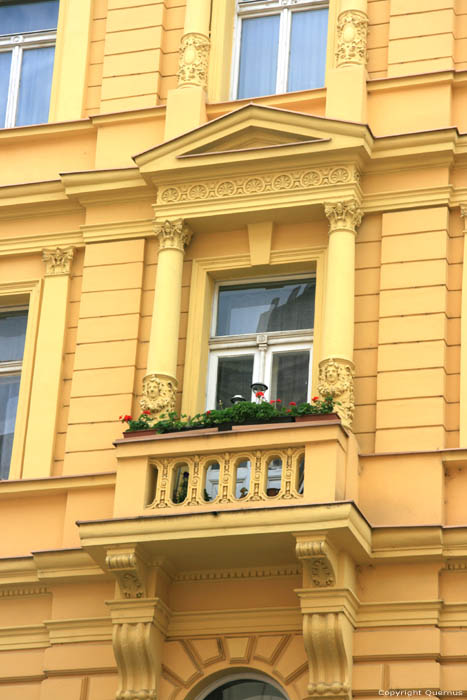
{"points": [[17, 592], [328, 662], [319, 561], [336, 377], [173, 234], [128, 570], [57, 260], [280, 181], [346, 215], [193, 60], [256, 572], [352, 33], [159, 394]]}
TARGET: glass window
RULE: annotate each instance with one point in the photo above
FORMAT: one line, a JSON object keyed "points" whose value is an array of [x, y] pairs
{"points": [[263, 332], [280, 46], [27, 40], [12, 336], [247, 689]]}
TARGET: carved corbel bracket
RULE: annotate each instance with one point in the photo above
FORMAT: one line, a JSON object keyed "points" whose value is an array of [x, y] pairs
{"points": [[327, 639], [319, 560], [129, 570]]}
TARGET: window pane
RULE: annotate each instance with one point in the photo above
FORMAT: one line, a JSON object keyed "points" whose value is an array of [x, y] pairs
{"points": [[9, 388], [308, 41], [35, 86], [289, 380], [28, 17], [234, 376], [266, 307], [12, 335], [5, 63], [258, 56], [245, 689]]}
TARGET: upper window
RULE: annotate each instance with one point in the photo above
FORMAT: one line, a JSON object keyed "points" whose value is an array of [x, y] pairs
{"points": [[280, 46], [12, 335], [245, 689], [262, 332], [27, 46]]}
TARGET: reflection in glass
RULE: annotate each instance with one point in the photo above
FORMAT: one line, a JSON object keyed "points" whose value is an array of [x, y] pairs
{"points": [[266, 307], [5, 63], [245, 689], [24, 17], [12, 335], [242, 479], [258, 56], [211, 484], [234, 376], [289, 381], [35, 86], [274, 482], [9, 389], [308, 41], [180, 483]]}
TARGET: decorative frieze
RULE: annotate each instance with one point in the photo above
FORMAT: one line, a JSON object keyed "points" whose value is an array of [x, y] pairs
{"points": [[336, 377], [346, 214], [57, 260], [193, 60], [281, 181], [159, 394], [173, 234], [247, 573], [352, 32]]}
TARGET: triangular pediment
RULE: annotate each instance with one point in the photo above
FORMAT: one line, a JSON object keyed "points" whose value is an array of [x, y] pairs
{"points": [[251, 134]]}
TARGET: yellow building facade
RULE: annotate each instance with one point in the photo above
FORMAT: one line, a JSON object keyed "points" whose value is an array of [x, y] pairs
{"points": [[169, 166]]}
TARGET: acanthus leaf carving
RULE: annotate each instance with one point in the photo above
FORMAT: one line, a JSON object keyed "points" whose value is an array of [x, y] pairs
{"points": [[129, 572], [344, 214], [159, 394], [57, 260], [193, 60], [336, 378], [173, 234], [352, 32]]}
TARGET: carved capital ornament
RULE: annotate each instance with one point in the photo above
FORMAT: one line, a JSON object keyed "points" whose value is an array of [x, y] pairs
{"points": [[336, 379], [193, 60], [173, 234], [352, 32], [345, 214], [57, 260]]}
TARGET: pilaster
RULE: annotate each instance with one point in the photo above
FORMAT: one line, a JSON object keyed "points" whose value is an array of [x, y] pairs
{"points": [[346, 96], [463, 358], [160, 383], [40, 437], [336, 369]]}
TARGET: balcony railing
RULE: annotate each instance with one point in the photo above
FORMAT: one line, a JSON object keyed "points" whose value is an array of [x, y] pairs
{"points": [[253, 467]]}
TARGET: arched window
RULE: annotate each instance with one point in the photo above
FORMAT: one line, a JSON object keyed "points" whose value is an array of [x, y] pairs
{"points": [[244, 687]]}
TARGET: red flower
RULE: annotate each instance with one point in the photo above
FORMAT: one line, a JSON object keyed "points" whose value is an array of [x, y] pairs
{"points": [[278, 400], [315, 398], [259, 394], [273, 401], [292, 403], [147, 413], [120, 417], [289, 410], [127, 418], [208, 412]]}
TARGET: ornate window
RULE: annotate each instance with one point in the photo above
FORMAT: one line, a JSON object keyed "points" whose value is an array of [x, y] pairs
{"points": [[279, 46], [13, 323], [27, 45], [261, 332], [249, 686]]}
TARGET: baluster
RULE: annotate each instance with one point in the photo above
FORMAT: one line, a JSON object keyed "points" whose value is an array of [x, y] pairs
{"points": [[287, 475], [162, 485], [195, 483], [226, 479]]}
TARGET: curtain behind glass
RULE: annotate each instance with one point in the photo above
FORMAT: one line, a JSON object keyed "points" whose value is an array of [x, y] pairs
{"points": [[35, 86], [5, 63], [28, 17], [308, 41], [9, 389], [12, 335], [258, 56]]}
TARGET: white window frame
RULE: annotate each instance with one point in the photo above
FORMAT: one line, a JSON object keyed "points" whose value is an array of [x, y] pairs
{"points": [[262, 8], [17, 44], [262, 345]]}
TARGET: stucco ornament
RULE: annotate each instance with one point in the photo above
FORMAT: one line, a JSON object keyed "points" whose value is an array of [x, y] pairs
{"points": [[345, 214], [319, 562], [193, 60], [352, 32], [173, 234], [336, 379], [128, 571], [158, 394], [57, 260]]}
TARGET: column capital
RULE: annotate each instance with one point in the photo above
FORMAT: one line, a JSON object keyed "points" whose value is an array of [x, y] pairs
{"points": [[336, 379], [352, 33], [463, 208], [346, 214], [57, 260], [193, 60], [173, 234]]}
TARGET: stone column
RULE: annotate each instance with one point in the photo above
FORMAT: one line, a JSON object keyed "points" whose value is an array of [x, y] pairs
{"points": [[160, 383], [186, 105], [336, 369], [43, 410], [346, 80]]}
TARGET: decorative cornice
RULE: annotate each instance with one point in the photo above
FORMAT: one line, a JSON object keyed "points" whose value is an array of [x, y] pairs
{"points": [[352, 31], [173, 234], [57, 260], [193, 60], [280, 181], [22, 592], [256, 572], [343, 214]]}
